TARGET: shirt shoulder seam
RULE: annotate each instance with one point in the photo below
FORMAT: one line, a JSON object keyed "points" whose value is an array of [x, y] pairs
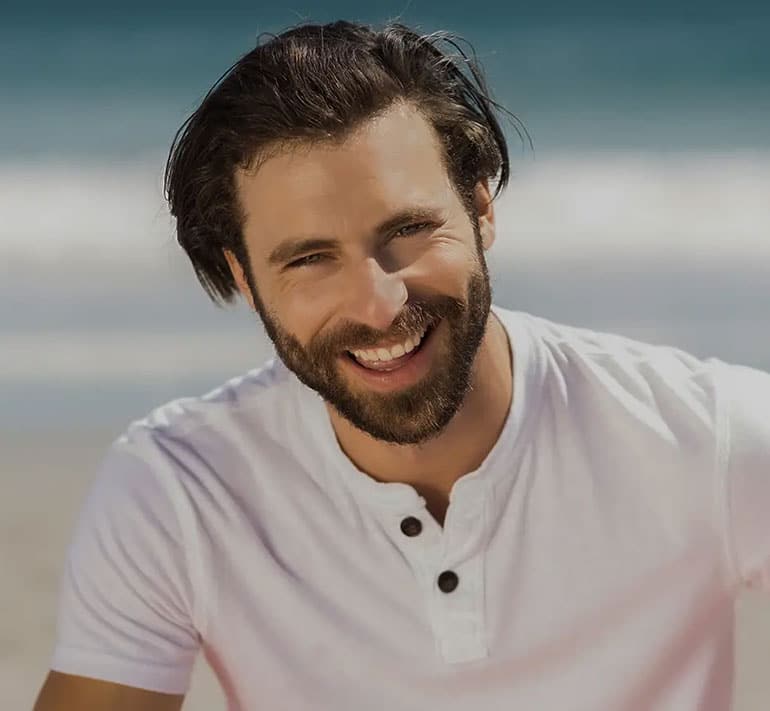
{"points": [[721, 474]]}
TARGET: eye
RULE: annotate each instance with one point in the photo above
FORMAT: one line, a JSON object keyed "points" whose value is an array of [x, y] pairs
{"points": [[412, 229], [306, 261]]}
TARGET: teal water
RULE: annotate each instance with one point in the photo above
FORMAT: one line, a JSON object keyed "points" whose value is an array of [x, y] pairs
{"points": [[83, 79]]}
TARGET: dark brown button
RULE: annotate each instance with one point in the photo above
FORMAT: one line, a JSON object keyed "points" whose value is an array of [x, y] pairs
{"points": [[448, 581], [411, 526]]}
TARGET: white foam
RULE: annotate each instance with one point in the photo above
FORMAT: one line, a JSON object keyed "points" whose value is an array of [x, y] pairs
{"points": [[618, 205], [106, 212], [709, 206], [84, 356]]}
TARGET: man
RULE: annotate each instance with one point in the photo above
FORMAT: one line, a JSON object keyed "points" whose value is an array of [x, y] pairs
{"points": [[426, 502]]}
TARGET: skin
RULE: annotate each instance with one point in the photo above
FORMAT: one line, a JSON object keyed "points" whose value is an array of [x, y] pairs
{"points": [[65, 692], [366, 288]]}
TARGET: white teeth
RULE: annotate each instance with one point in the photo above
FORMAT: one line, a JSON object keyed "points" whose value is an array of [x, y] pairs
{"points": [[385, 354]]}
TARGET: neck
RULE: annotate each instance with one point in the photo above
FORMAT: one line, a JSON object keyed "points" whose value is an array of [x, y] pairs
{"points": [[433, 467]]}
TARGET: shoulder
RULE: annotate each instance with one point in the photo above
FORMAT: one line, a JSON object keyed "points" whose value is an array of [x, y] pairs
{"points": [[746, 465], [251, 396], [745, 393], [626, 367], [255, 407], [187, 448], [166, 473], [631, 386]]}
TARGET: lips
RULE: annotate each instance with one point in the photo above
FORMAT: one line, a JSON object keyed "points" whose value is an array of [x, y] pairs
{"points": [[388, 357], [391, 364], [398, 375]]}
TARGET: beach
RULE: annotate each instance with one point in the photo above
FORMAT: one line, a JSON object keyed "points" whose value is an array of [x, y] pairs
{"points": [[45, 477]]}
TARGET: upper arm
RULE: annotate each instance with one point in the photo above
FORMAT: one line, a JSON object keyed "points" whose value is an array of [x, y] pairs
{"points": [[127, 601], [62, 692]]}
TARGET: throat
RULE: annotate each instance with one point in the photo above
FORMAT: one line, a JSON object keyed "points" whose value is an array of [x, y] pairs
{"points": [[437, 507]]}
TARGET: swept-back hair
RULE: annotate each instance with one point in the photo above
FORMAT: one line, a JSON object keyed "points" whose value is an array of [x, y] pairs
{"points": [[318, 83]]}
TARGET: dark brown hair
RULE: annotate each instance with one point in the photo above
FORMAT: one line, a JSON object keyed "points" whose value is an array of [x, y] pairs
{"points": [[318, 83]]}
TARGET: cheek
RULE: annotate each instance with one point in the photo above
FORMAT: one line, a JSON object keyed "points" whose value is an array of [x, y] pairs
{"points": [[307, 306], [446, 266], [304, 310]]}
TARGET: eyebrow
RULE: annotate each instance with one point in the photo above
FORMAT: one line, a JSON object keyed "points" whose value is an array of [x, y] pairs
{"points": [[292, 248]]}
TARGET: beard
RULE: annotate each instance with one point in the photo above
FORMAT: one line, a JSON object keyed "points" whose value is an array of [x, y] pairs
{"points": [[413, 414]]}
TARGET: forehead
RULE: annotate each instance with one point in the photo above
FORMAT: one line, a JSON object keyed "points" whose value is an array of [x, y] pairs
{"points": [[390, 162]]}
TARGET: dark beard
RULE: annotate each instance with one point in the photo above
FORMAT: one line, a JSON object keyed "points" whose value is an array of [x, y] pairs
{"points": [[415, 414]]}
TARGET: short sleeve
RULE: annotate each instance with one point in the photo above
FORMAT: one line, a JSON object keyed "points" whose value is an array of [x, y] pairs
{"points": [[745, 401], [126, 600]]}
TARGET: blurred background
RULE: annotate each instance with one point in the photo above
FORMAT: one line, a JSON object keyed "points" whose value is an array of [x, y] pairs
{"points": [[644, 209]]}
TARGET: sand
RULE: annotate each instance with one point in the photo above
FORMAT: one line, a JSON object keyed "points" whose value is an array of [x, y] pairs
{"points": [[43, 480]]}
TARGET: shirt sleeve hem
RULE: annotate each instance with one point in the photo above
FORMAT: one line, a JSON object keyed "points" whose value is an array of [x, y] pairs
{"points": [[152, 676]]}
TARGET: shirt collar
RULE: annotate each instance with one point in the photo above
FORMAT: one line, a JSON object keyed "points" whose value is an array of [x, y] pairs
{"points": [[501, 463]]}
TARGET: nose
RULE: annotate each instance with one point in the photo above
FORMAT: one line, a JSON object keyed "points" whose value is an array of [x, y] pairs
{"points": [[375, 297]]}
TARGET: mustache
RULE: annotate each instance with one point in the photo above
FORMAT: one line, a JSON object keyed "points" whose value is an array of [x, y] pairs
{"points": [[415, 316]]}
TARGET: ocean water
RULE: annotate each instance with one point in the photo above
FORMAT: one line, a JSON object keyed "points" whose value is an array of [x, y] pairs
{"points": [[643, 208], [115, 84]]}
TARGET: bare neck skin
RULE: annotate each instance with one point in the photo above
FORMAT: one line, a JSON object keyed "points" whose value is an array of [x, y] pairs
{"points": [[433, 467]]}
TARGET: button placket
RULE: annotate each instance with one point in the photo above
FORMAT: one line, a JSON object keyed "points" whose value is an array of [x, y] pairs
{"points": [[465, 526], [419, 542], [459, 603], [460, 615], [453, 555]]}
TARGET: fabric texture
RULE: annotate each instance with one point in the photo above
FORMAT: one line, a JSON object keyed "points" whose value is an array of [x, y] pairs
{"points": [[598, 549]]}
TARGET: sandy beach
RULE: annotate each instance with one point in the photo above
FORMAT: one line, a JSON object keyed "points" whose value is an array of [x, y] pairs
{"points": [[44, 479]]}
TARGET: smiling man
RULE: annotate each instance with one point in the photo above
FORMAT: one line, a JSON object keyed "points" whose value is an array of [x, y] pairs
{"points": [[376, 295], [425, 501]]}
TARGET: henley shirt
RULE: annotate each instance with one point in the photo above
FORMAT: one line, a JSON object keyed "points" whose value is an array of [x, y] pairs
{"points": [[591, 563]]}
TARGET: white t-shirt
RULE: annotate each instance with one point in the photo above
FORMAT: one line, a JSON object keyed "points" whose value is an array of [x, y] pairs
{"points": [[591, 563]]}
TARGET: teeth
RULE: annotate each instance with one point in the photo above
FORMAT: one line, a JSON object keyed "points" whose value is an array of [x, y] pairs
{"points": [[385, 354]]}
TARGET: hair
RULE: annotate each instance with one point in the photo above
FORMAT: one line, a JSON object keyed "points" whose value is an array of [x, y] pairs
{"points": [[317, 83]]}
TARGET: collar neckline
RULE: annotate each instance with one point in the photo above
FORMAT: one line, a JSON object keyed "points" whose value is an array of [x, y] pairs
{"points": [[528, 374]]}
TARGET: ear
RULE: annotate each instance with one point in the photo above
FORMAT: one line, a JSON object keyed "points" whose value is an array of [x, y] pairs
{"points": [[240, 277], [482, 203]]}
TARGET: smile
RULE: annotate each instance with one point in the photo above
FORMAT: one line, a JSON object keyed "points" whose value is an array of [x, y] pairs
{"points": [[392, 371], [382, 357]]}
